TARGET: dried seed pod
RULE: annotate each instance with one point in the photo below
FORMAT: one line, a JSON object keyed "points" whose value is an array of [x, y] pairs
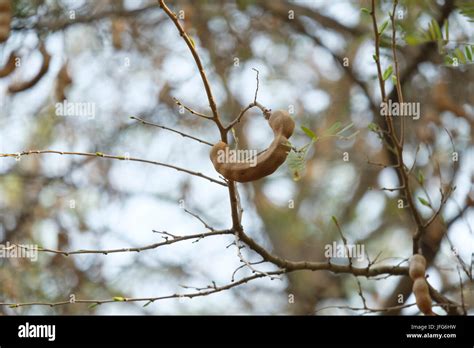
{"points": [[9, 66], [24, 85], [63, 81], [265, 163], [5, 19], [417, 266], [422, 295]]}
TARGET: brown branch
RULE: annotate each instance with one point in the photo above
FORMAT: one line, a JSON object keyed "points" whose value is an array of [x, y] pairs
{"points": [[122, 158], [63, 23], [402, 173], [194, 112], [197, 59], [174, 239], [184, 135], [211, 289]]}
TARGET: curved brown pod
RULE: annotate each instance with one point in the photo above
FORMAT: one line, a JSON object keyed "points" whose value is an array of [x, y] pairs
{"points": [[9, 66], [417, 266], [24, 85], [416, 270], [267, 162]]}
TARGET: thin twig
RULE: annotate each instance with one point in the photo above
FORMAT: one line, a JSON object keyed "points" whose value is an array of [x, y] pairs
{"points": [[167, 241], [192, 111], [103, 155], [171, 130]]}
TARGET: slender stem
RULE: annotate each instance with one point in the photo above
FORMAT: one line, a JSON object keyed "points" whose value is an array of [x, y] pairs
{"points": [[171, 130], [103, 155]]}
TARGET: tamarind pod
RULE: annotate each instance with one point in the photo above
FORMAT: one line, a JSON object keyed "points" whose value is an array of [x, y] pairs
{"points": [[267, 162], [62, 82], [418, 258], [21, 86], [5, 19], [282, 123], [422, 295], [416, 270], [417, 266], [9, 66]]}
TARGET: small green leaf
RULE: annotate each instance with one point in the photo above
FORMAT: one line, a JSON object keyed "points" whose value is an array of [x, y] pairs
{"points": [[468, 53], [334, 219], [119, 299], [373, 127], [448, 60], [297, 161], [100, 154], [446, 30], [309, 133], [437, 30], [93, 305], [394, 80], [383, 27], [349, 126], [365, 10], [421, 177], [13, 306], [387, 73], [460, 55], [375, 58], [334, 128], [424, 202]]}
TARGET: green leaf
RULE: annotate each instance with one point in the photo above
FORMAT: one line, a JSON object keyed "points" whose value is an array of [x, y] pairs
{"points": [[387, 73], [421, 177], [460, 55], [424, 202], [394, 80], [375, 58], [93, 305], [468, 53], [119, 299], [446, 30], [297, 162], [448, 60], [309, 133], [467, 10], [13, 306], [334, 219], [373, 127], [383, 27], [345, 128], [413, 40], [100, 154], [365, 10], [437, 30], [334, 128]]}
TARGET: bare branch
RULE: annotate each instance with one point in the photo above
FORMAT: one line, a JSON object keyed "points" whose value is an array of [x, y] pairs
{"points": [[192, 111], [102, 155], [184, 135], [174, 239]]}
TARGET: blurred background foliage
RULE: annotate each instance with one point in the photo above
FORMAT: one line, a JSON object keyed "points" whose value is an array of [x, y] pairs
{"points": [[126, 57]]}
